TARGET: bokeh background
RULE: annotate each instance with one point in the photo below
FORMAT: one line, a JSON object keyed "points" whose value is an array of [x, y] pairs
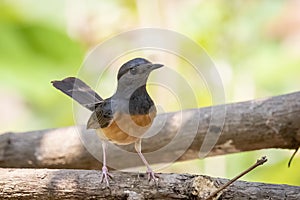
{"points": [[254, 44]]}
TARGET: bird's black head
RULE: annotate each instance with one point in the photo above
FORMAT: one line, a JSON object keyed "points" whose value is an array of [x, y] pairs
{"points": [[137, 66], [133, 75]]}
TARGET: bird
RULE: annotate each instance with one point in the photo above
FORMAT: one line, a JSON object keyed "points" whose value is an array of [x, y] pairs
{"points": [[122, 118]]}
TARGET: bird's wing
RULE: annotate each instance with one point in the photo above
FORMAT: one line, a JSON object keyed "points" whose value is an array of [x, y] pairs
{"points": [[79, 91], [102, 116]]}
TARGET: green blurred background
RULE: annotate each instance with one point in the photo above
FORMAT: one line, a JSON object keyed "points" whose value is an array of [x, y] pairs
{"points": [[255, 45]]}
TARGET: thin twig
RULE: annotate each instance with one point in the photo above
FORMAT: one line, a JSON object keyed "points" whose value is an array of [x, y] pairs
{"points": [[290, 161], [258, 162]]}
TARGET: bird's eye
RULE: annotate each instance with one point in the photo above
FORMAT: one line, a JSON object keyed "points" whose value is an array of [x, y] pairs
{"points": [[133, 70]]}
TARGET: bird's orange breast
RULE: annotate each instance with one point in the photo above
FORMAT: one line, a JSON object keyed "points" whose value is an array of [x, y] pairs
{"points": [[126, 129]]}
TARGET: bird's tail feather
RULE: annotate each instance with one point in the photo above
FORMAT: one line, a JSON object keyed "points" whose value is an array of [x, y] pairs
{"points": [[79, 91]]}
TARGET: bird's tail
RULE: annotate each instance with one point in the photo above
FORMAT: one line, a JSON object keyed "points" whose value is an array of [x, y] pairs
{"points": [[79, 91]]}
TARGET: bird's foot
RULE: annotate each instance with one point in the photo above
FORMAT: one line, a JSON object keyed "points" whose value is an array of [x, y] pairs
{"points": [[105, 176], [152, 176]]}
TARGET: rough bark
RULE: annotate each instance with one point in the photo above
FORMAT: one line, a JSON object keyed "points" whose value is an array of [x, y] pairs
{"points": [[85, 184], [259, 124]]}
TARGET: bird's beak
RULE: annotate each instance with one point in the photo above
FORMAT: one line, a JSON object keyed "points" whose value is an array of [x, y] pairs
{"points": [[156, 66]]}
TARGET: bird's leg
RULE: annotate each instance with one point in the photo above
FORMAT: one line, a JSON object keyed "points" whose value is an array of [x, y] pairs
{"points": [[105, 175], [138, 148]]}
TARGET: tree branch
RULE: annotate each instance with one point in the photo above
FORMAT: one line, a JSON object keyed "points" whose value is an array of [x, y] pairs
{"points": [[258, 163], [85, 184], [259, 124]]}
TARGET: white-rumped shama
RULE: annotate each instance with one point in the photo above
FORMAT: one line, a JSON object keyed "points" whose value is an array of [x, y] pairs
{"points": [[126, 115]]}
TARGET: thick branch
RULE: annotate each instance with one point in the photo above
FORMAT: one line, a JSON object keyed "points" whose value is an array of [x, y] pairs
{"points": [[252, 125], [85, 184]]}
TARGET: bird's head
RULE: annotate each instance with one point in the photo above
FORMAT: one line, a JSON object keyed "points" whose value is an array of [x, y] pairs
{"points": [[134, 74]]}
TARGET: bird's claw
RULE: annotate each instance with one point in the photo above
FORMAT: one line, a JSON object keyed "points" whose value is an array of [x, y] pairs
{"points": [[105, 176], [152, 176]]}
